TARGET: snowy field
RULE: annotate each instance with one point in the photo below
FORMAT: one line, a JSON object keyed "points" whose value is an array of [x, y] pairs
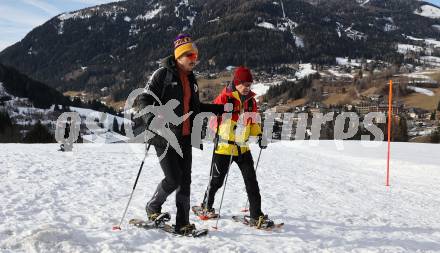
{"points": [[422, 91], [330, 200]]}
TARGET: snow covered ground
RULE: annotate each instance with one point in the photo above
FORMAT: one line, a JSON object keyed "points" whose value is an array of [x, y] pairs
{"points": [[339, 74], [3, 90], [419, 75], [330, 200], [305, 70], [405, 48], [428, 11], [345, 61], [261, 88], [108, 118], [422, 90]]}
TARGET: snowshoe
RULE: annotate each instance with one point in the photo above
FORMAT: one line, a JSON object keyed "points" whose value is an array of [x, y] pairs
{"points": [[159, 218], [145, 224], [188, 230], [185, 230], [262, 222], [203, 213]]}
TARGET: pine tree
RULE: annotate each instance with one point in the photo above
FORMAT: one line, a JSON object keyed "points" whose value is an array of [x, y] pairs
{"points": [[8, 131], [115, 125], [384, 128], [402, 131], [394, 128], [39, 134], [5, 121], [435, 136], [122, 129]]}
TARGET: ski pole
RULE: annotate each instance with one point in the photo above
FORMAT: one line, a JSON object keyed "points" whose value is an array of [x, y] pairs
{"points": [[134, 187], [256, 168], [224, 188], [205, 200]]}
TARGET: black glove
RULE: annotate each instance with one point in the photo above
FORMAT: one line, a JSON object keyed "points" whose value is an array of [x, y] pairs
{"points": [[262, 142]]}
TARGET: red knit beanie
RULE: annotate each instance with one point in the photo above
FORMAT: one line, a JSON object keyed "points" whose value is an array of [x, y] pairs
{"points": [[242, 75]]}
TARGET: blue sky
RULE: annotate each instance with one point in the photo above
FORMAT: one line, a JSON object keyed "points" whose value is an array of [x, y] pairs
{"points": [[18, 17], [436, 2]]}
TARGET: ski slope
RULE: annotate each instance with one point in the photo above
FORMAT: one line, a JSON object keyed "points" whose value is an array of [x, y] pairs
{"points": [[331, 200]]}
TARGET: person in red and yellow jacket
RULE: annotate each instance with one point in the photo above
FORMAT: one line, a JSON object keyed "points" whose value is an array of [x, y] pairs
{"points": [[233, 135]]}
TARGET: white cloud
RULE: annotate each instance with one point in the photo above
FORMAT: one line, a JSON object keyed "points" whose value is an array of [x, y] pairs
{"points": [[435, 2], [44, 6], [15, 23], [21, 17]]}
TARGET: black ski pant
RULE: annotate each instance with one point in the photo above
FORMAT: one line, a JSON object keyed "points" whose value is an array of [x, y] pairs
{"points": [[177, 172], [246, 165]]}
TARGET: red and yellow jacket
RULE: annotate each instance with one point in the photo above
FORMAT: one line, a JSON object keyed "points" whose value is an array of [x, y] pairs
{"points": [[231, 134]]}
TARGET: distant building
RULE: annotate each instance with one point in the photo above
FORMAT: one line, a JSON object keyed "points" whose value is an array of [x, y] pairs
{"points": [[375, 98], [417, 113], [280, 108], [365, 108]]}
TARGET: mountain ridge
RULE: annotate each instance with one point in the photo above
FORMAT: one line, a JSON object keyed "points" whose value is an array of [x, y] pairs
{"points": [[117, 45]]}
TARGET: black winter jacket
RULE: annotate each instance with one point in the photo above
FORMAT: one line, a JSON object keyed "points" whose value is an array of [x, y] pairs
{"points": [[173, 90]]}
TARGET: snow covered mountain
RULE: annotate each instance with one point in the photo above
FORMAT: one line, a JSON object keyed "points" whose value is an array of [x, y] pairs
{"points": [[27, 101], [428, 11], [330, 200], [116, 45]]}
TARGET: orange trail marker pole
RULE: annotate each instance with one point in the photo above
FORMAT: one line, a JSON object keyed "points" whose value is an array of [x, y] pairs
{"points": [[390, 112]]}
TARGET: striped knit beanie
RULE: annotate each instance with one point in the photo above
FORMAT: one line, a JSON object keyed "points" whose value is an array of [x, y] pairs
{"points": [[182, 44]]}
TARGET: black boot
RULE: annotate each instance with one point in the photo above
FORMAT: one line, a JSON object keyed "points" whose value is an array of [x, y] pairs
{"points": [[154, 206], [208, 212], [159, 219], [185, 230], [261, 222]]}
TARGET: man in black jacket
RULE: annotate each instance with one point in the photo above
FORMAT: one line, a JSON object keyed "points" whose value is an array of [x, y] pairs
{"points": [[175, 80]]}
